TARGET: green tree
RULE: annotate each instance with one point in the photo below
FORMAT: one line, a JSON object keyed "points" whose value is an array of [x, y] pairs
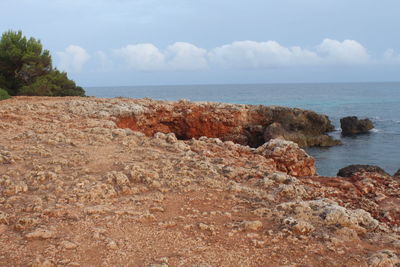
{"points": [[26, 69]]}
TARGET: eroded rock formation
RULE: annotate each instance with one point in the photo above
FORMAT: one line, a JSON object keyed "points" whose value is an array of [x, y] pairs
{"points": [[242, 124]]}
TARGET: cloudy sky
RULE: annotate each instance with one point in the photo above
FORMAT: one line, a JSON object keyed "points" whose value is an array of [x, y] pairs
{"points": [[155, 42]]}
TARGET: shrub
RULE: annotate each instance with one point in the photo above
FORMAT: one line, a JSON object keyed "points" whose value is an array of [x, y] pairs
{"points": [[54, 83], [4, 94]]}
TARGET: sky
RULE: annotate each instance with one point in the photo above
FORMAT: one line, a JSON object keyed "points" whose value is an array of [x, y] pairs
{"points": [[167, 42]]}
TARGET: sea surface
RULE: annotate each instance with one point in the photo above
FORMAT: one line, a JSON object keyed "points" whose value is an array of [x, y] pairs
{"points": [[378, 101]]}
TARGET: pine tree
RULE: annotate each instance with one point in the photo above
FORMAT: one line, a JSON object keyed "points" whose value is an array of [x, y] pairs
{"points": [[26, 69]]}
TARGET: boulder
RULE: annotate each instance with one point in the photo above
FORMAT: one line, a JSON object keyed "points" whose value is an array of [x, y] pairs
{"points": [[288, 157], [352, 125], [351, 170]]}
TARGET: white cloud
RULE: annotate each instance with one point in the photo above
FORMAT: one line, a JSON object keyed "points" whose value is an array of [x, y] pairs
{"points": [[254, 55], [270, 54], [142, 57], [182, 56], [73, 58], [179, 56], [348, 52], [186, 56]]}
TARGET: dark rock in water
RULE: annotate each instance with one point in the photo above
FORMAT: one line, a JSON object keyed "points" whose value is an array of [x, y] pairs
{"points": [[397, 174], [352, 125], [350, 170]]}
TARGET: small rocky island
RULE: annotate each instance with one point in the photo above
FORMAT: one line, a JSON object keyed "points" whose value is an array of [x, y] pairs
{"points": [[106, 182], [352, 125]]}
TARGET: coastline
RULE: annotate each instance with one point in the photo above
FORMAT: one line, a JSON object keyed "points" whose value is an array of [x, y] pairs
{"points": [[337, 100], [73, 177]]}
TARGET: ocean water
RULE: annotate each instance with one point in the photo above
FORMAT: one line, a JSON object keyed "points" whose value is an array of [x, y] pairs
{"points": [[378, 101]]}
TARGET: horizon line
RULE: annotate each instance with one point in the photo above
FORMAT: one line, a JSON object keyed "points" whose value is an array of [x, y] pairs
{"points": [[217, 84]]}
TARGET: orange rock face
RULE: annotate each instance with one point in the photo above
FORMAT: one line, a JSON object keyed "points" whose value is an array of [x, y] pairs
{"points": [[190, 122], [242, 124]]}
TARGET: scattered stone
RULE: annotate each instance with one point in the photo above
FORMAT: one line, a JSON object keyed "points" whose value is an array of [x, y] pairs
{"points": [[146, 218], [201, 265], [157, 209], [6, 157], [4, 218], [252, 225], [111, 244], [298, 226], [40, 234], [68, 244], [117, 178], [43, 263], [159, 265]]}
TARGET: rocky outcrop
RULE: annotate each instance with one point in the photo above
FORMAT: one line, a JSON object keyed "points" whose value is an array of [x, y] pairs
{"points": [[352, 170], [76, 189], [243, 124], [397, 174], [352, 125], [276, 130]]}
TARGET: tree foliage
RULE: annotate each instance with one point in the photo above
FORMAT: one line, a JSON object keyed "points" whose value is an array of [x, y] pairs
{"points": [[26, 69]]}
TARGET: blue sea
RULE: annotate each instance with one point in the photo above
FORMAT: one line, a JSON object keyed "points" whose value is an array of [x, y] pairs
{"points": [[378, 101]]}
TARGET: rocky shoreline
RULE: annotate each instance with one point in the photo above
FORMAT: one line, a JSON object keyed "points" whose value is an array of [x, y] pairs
{"points": [[138, 182]]}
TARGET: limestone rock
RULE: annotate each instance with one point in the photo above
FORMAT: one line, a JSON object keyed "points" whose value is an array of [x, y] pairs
{"points": [[328, 212], [384, 258], [289, 157]]}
